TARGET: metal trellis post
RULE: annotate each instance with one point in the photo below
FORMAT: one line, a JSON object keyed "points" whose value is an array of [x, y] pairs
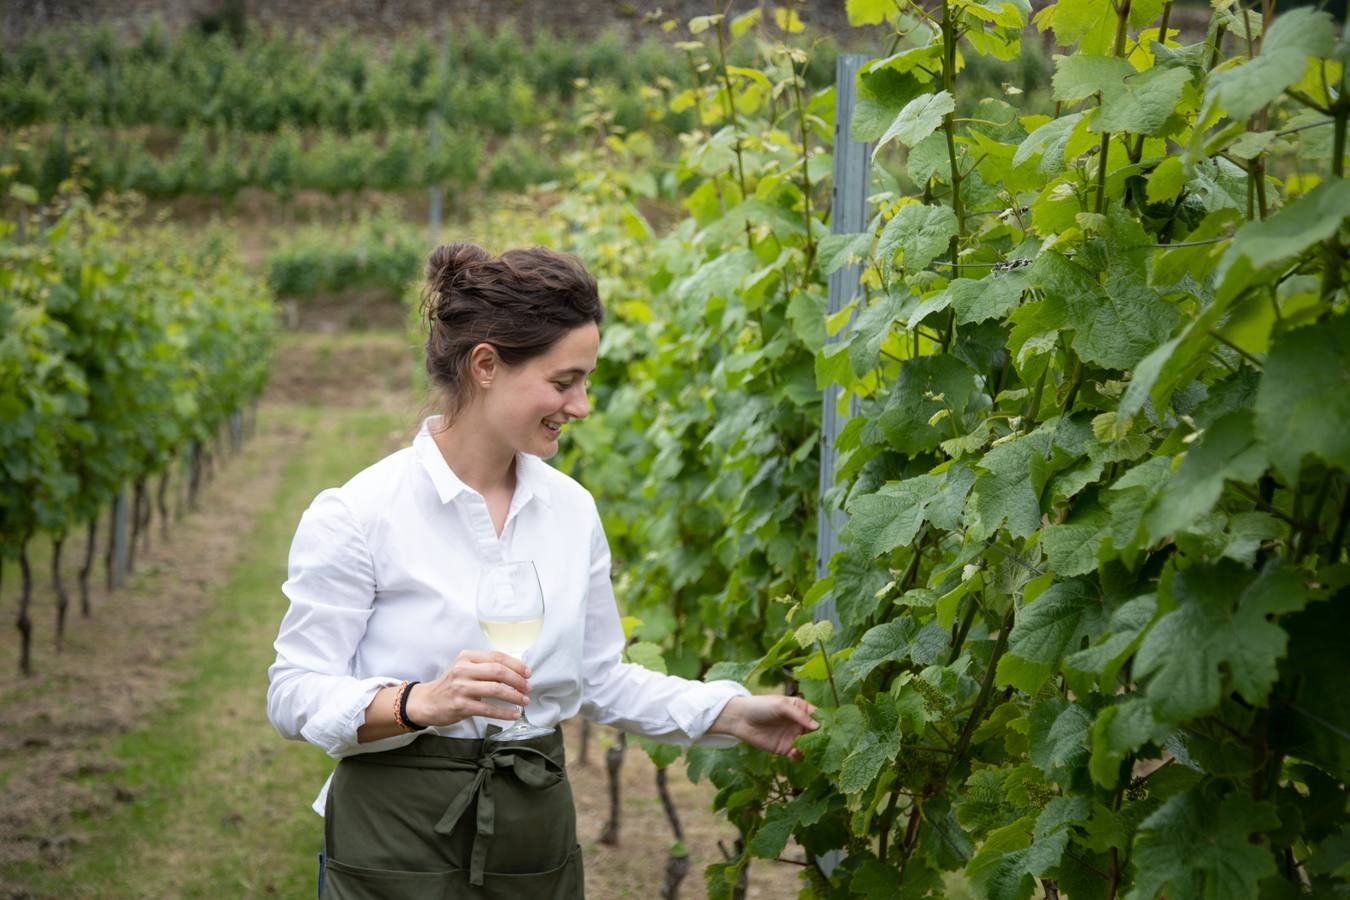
{"points": [[848, 214]]}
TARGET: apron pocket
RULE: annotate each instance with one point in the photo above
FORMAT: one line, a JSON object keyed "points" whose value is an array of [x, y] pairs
{"points": [[566, 882], [344, 882]]}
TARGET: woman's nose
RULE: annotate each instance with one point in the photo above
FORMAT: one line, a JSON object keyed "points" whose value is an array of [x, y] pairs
{"points": [[577, 406]]}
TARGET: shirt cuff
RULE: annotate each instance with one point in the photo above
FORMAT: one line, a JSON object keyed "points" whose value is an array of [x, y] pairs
{"points": [[695, 710], [333, 727]]}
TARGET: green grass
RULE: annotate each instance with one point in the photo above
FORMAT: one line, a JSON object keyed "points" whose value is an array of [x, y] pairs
{"points": [[222, 802]]}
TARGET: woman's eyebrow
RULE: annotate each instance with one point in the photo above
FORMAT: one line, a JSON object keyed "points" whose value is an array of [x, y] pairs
{"points": [[572, 371]]}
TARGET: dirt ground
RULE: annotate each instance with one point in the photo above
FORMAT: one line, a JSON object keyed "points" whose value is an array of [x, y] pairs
{"points": [[56, 726]]}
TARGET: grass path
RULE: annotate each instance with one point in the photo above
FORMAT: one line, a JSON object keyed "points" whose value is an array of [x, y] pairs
{"points": [[217, 811]]}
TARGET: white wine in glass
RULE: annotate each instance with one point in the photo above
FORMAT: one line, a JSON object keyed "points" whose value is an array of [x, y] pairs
{"points": [[511, 614]]}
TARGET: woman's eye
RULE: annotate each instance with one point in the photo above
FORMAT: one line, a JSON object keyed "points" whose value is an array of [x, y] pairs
{"points": [[562, 386]]}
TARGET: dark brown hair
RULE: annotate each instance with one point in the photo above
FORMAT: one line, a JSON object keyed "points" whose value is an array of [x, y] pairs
{"points": [[521, 303]]}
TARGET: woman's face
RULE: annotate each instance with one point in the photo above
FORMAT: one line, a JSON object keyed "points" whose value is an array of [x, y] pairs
{"points": [[527, 405]]}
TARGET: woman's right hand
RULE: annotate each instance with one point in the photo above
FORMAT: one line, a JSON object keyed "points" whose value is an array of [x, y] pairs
{"points": [[460, 691]]}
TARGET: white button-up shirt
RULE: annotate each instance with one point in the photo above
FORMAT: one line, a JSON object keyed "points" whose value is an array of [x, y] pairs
{"points": [[381, 583]]}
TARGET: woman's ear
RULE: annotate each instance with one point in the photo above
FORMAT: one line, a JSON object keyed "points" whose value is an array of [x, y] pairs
{"points": [[484, 364]]}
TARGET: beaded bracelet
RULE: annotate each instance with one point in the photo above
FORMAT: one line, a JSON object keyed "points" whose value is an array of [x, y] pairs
{"points": [[399, 694]]}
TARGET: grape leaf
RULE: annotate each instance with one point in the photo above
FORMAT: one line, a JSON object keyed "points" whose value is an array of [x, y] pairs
{"points": [[926, 386], [1072, 546], [1141, 103], [1124, 632], [888, 642], [1050, 837], [991, 297], [1059, 737], [1056, 620], [870, 329], [1010, 489], [1114, 328], [1081, 75], [868, 12], [1303, 403], [889, 518], [1310, 219], [1119, 730], [1292, 38], [1217, 639], [1196, 847], [829, 745], [1227, 450], [877, 746], [918, 119], [921, 232], [1050, 141], [838, 250], [781, 818]]}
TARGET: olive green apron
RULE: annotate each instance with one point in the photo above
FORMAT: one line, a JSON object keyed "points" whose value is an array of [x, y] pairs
{"points": [[446, 818]]}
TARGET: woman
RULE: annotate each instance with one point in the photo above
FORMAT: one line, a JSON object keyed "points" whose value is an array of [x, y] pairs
{"points": [[380, 658]]}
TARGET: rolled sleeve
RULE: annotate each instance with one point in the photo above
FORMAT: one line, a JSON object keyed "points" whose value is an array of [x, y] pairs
{"points": [[312, 694], [664, 707]]}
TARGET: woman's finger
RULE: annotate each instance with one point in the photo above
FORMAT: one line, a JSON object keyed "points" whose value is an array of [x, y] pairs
{"points": [[498, 690], [488, 711], [497, 672]]}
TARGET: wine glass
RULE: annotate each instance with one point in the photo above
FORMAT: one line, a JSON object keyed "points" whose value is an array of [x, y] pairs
{"points": [[511, 613]]}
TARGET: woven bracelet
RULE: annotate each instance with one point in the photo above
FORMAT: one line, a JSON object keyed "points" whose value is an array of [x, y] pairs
{"points": [[402, 714]]}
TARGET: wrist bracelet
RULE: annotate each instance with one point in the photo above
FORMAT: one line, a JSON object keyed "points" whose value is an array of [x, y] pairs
{"points": [[402, 714], [398, 704]]}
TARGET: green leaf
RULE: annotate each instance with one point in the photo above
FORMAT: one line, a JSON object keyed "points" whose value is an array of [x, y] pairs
{"points": [[1072, 546], [1090, 22], [1049, 141], [1050, 837], [808, 635], [1059, 737], [780, 819], [1118, 731], [1310, 219], [1217, 639], [647, 655], [922, 232], [1056, 621], [926, 386], [868, 12], [1228, 449], [991, 297], [870, 329], [917, 120], [1124, 632], [1010, 489], [1290, 41], [1303, 404], [829, 745], [1114, 328], [1166, 180], [881, 521], [1141, 103], [1196, 847], [888, 642], [838, 250], [879, 745], [1082, 75]]}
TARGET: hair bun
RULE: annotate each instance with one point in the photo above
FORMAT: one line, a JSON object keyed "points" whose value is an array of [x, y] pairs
{"points": [[448, 261]]}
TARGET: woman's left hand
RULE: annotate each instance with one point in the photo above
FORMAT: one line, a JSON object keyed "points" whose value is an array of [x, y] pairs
{"points": [[770, 722]]}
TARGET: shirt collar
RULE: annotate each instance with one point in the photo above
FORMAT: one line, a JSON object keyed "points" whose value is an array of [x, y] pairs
{"points": [[530, 480]]}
